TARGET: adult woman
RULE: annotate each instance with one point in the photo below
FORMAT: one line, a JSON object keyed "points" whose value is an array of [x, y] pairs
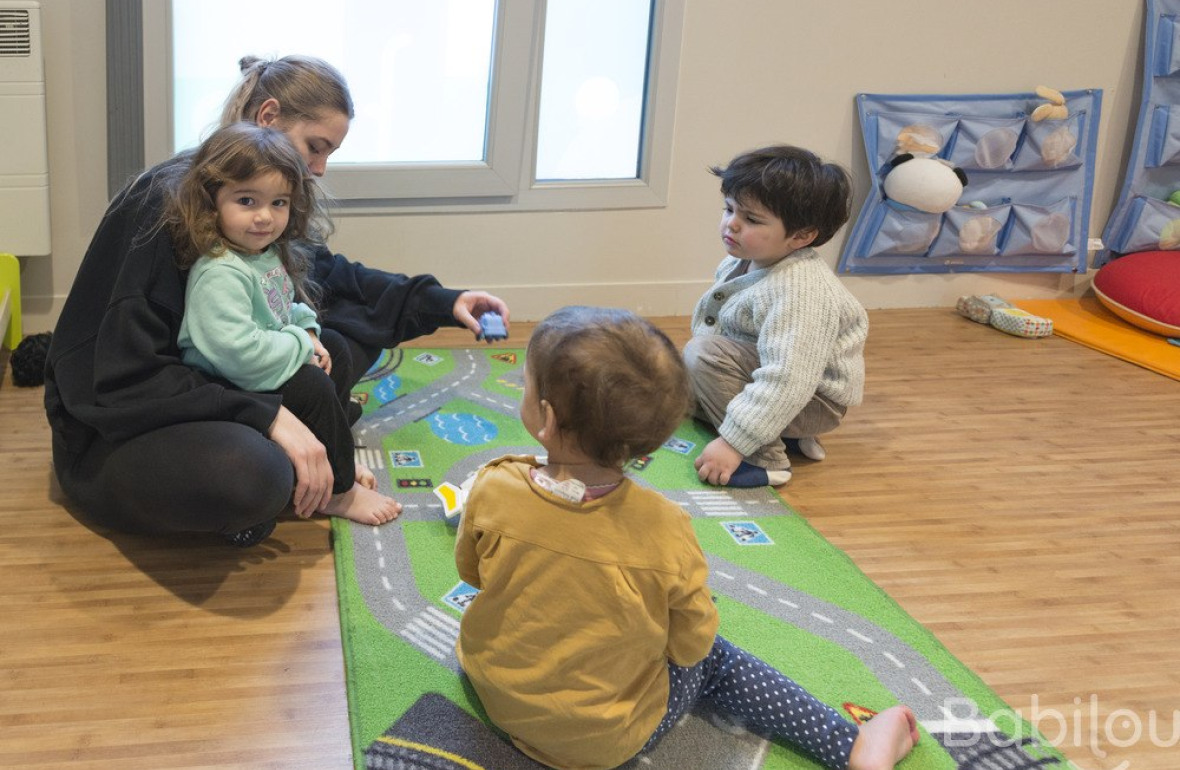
{"points": [[143, 443]]}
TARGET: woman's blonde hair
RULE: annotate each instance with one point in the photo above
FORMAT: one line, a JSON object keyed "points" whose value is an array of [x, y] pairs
{"points": [[236, 153], [304, 86]]}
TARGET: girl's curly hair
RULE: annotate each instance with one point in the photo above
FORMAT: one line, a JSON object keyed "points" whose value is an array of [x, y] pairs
{"points": [[236, 153]]}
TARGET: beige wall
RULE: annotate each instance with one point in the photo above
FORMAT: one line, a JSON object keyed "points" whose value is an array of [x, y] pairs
{"points": [[752, 72]]}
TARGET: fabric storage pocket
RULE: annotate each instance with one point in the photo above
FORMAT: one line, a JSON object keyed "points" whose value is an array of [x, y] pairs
{"points": [[986, 144], [1150, 225], [1167, 59], [903, 232], [912, 132], [1049, 145], [971, 232], [1036, 230], [1163, 138]]}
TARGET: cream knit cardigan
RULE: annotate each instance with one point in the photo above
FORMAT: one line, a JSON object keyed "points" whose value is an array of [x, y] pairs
{"points": [[810, 333]]}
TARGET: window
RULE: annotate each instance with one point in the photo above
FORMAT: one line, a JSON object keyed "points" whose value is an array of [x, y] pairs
{"points": [[461, 104]]}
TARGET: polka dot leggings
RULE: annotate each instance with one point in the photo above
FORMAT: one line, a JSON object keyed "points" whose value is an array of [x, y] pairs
{"points": [[740, 685]]}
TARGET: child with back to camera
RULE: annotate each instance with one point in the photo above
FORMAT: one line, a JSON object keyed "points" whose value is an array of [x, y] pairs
{"points": [[594, 631], [238, 218], [777, 352]]}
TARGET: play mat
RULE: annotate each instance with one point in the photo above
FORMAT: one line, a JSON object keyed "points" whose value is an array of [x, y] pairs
{"points": [[431, 417]]}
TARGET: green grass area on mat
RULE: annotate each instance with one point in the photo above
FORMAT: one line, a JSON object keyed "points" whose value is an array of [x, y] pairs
{"points": [[432, 555], [496, 381]]}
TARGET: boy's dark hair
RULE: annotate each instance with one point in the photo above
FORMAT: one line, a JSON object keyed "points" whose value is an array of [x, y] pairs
{"points": [[795, 184], [616, 383]]}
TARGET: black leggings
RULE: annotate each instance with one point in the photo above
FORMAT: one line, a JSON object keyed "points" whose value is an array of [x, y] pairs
{"points": [[320, 402], [208, 476]]}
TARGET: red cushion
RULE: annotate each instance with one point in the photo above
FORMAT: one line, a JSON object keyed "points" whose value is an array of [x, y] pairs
{"points": [[1143, 289]]}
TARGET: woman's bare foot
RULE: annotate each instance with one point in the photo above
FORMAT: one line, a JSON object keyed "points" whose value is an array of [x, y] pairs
{"points": [[884, 740], [365, 477], [364, 506]]}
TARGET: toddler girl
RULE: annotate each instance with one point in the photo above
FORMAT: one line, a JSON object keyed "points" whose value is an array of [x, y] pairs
{"points": [[238, 217], [594, 631]]}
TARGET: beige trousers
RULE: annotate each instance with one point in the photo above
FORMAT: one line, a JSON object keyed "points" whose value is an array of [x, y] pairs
{"points": [[720, 367]]}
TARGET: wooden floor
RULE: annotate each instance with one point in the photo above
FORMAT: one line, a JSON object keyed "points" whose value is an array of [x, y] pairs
{"points": [[1021, 498]]}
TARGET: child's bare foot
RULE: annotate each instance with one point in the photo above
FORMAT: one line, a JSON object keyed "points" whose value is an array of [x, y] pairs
{"points": [[884, 740], [365, 477], [364, 506]]}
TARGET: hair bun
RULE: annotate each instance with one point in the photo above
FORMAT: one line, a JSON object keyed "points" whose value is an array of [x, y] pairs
{"points": [[246, 62]]}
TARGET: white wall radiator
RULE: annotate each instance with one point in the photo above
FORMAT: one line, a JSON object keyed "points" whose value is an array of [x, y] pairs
{"points": [[24, 157]]}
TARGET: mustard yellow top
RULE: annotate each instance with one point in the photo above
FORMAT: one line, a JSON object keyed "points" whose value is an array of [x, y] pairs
{"points": [[581, 607]]}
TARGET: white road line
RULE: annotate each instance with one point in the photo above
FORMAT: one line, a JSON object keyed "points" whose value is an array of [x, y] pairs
{"points": [[427, 626], [921, 686], [443, 618], [725, 575], [442, 636], [893, 659], [789, 603], [822, 618], [756, 589], [412, 635], [859, 635]]}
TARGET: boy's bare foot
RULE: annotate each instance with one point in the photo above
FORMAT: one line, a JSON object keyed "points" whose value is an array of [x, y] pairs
{"points": [[365, 477], [884, 740], [364, 506]]}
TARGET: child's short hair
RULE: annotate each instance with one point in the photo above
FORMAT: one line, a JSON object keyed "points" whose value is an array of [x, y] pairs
{"points": [[801, 189], [616, 383]]}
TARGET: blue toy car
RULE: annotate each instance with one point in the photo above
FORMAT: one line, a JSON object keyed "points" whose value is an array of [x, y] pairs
{"points": [[491, 327]]}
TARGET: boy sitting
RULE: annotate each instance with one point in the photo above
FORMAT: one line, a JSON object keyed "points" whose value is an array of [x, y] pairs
{"points": [[777, 353]]}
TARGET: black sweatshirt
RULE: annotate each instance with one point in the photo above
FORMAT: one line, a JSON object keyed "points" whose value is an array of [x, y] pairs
{"points": [[113, 368]]}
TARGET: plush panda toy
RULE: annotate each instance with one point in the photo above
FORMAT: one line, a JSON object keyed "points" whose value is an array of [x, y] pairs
{"points": [[925, 184]]}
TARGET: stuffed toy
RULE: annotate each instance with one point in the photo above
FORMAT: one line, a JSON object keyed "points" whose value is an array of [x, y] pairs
{"points": [[925, 184], [1054, 109], [1057, 144], [1001, 314], [919, 139]]}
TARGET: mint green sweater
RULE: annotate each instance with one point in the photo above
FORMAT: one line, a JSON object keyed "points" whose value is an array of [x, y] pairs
{"points": [[241, 321]]}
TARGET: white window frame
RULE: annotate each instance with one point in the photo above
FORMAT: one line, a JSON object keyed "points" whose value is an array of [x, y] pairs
{"points": [[506, 181]]}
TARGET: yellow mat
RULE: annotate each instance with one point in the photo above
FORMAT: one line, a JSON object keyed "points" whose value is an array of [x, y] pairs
{"points": [[1087, 322]]}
